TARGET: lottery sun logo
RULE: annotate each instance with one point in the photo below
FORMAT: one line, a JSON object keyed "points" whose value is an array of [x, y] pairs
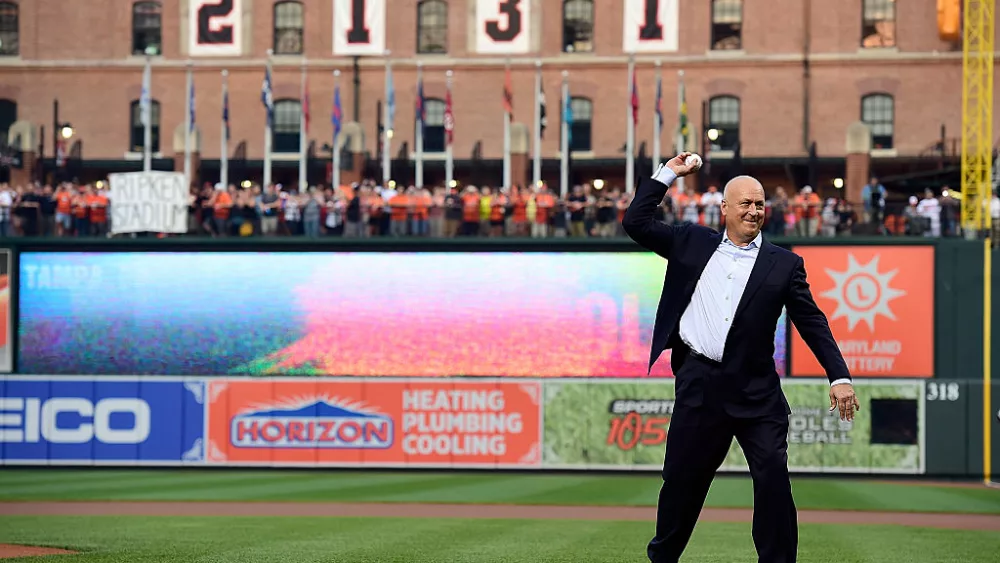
{"points": [[862, 293]]}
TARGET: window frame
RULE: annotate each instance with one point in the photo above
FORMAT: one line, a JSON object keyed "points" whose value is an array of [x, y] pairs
{"points": [[716, 26], [427, 30], [278, 30], [147, 33], [137, 129], [10, 48], [875, 97], [581, 128], [866, 22], [569, 44], [434, 133], [730, 136], [283, 132]]}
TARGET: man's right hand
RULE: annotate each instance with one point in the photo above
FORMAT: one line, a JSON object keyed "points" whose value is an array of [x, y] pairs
{"points": [[677, 165]]}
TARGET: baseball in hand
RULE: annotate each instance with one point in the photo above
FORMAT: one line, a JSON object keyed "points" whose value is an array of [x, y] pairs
{"points": [[694, 161]]}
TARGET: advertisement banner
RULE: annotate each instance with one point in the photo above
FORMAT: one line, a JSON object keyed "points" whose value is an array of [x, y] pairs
{"points": [[624, 425], [101, 421], [880, 304], [328, 422], [374, 314]]}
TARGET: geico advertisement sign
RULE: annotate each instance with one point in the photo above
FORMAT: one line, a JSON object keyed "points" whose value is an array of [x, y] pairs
{"points": [[32, 420], [70, 419]]}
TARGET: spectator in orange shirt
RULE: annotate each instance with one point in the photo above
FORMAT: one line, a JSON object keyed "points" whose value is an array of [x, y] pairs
{"points": [[221, 204], [545, 202], [81, 212], [400, 204], [421, 203], [64, 210], [519, 218], [98, 213], [498, 214], [807, 209], [470, 212]]}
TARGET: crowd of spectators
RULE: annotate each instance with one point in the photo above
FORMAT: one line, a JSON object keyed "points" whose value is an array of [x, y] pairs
{"points": [[366, 210]]}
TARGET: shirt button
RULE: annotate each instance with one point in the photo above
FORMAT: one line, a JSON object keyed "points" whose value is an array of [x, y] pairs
{"points": [[727, 319], [730, 276], [727, 298]]}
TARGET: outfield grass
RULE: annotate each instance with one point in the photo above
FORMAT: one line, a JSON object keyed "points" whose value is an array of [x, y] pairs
{"points": [[376, 486], [106, 539]]}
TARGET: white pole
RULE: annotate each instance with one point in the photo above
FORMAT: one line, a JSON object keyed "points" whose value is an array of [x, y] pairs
{"points": [[449, 155], [223, 141], [336, 139], [564, 142], [630, 139], [506, 140], [536, 176], [680, 140], [419, 173], [267, 132], [303, 135], [147, 114], [657, 123], [187, 125], [387, 136]]}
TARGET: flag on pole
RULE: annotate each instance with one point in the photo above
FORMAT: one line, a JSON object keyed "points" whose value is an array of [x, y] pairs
{"points": [[391, 101], [659, 101], [635, 100], [421, 107], [267, 97], [225, 111], [542, 112], [305, 105], [682, 121], [508, 94], [568, 118], [449, 118], [191, 101], [338, 113]]}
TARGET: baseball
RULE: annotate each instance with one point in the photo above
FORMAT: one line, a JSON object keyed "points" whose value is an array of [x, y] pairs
{"points": [[694, 161]]}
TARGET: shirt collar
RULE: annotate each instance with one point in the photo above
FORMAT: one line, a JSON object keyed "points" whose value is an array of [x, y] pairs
{"points": [[755, 243]]}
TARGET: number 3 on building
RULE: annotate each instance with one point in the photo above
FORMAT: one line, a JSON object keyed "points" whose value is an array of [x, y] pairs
{"points": [[510, 32]]}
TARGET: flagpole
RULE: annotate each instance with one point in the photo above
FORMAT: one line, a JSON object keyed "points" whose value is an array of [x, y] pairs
{"points": [[657, 118], [536, 176], [223, 138], [419, 173], [630, 139], [267, 132], [449, 155], [336, 138], [147, 115], [387, 135], [187, 129], [680, 140], [303, 134], [564, 141], [506, 141]]}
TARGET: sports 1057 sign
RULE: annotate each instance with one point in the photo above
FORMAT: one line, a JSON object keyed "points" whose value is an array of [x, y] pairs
{"points": [[215, 28], [502, 26]]}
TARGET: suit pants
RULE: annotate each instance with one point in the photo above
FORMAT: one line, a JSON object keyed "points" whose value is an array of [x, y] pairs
{"points": [[698, 441]]}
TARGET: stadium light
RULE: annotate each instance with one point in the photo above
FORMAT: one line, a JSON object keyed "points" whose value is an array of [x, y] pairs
{"points": [[838, 183], [66, 131], [713, 135], [598, 184]]}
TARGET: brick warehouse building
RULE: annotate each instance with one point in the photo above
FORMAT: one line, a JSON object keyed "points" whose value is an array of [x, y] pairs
{"points": [[775, 75]]}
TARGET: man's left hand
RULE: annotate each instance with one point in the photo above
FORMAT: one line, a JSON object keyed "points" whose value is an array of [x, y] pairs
{"points": [[842, 397]]}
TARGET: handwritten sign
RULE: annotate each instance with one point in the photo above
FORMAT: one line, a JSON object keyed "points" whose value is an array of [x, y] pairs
{"points": [[149, 202]]}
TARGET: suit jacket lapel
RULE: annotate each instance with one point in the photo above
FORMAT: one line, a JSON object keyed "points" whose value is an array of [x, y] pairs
{"points": [[761, 267]]}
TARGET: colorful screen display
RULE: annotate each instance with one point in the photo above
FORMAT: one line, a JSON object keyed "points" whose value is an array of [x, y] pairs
{"points": [[586, 314]]}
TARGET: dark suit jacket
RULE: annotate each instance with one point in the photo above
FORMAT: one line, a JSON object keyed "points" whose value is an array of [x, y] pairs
{"points": [[749, 385]]}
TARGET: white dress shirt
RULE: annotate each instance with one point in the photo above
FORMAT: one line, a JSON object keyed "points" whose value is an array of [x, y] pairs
{"points": [[705, 323]]}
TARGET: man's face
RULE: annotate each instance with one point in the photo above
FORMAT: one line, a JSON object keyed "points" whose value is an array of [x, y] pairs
{"points": [[743, 209]]}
